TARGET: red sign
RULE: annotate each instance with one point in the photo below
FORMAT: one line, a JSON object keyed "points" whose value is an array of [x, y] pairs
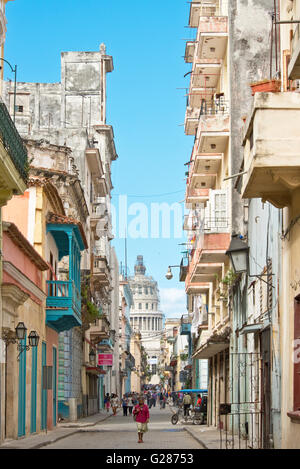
{"points": [[105, 359]]}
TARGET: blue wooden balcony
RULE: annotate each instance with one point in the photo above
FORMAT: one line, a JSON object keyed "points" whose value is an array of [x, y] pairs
{"points": [[63, 304], [186, 326]]}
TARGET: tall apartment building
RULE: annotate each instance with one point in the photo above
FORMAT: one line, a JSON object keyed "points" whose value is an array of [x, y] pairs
{"points": [[233, 330], [271, 175]]}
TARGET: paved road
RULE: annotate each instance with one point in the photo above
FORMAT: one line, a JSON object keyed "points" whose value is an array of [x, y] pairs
{"points": [[120, 433]]}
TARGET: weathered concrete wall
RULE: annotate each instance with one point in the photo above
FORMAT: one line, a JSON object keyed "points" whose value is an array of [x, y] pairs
{"points": [[250, 46]]}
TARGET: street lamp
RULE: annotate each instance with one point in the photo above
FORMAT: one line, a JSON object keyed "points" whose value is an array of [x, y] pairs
{"points": [[92, 356], [20, 334], [239, 255], [169, 274], [14, 70], [33, 339], [21, 330]]}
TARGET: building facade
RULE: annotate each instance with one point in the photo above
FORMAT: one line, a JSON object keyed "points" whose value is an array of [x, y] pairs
{"points": [[72, 114], [234, 316], [145, 316]]}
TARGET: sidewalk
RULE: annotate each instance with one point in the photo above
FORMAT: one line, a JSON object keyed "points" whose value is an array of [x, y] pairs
{"points": [[208, 437], [63, 430]]}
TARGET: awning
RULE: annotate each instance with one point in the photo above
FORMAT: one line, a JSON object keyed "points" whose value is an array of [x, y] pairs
{"points": [[210, 348], [94, 370]]}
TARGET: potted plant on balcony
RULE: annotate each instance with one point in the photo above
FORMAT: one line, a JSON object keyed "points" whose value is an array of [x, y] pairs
{"points": [[266, 86]]}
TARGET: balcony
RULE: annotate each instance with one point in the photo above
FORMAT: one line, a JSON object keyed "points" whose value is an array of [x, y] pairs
{"points": [[99, 211], [294, 65], [202, 181], [101, 272], [203, 8], [204, 81], [13, 158], [100, 330], [189, 51], [207, 164], [129, 362], [94, 162], [206, 273], [105, 346], [63, 304], [214, 128], [184, 265], [196, 196], [271, 148], [185, 325], [212, 37], [191, 121]]}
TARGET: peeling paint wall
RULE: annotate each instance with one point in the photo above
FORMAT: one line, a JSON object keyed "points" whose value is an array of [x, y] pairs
{"points": [[250, 23]]}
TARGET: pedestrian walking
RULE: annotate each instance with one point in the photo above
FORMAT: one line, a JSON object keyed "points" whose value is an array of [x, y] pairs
{"points": [[114, 404], [130, 404], [141, 415], [161, 400], [152, 401], [125, 405], [187, 400], [107, 402]]}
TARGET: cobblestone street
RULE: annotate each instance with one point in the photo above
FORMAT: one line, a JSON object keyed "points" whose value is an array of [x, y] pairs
{"points": [[120, 433]]}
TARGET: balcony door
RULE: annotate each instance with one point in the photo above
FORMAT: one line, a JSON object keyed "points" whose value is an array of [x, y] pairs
{"points": [[216, 217]]}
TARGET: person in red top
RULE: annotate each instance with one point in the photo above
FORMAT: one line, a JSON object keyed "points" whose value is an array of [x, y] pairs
{"points": [[199, 400], [142, 416]]}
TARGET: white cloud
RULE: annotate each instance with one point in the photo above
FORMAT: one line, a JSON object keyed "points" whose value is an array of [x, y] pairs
{"points": [[173, 302]]}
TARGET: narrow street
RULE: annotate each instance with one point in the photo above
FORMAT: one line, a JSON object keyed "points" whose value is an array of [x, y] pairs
{"points": [[120, 433]]}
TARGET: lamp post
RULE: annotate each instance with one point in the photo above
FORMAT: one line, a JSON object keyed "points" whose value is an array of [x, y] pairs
{"points": [[14, 70], [239, 255], [20, 334], [92, 356], [169, 274]]}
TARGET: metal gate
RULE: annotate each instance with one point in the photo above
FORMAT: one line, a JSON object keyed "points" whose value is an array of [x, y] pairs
{"points": [[240, 419]]}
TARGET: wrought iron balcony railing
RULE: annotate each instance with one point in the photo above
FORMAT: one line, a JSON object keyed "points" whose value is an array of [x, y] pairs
{"points": [[12, 142], [218, 106]]}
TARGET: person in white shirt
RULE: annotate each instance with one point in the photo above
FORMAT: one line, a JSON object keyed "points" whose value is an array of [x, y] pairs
{"points": [[114, 403], [130, 404]]}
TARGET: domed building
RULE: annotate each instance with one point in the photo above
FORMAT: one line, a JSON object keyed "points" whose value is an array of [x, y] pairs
{"points": [[145, 315]]}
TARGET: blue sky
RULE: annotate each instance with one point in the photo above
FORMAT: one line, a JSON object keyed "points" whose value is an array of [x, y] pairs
{"points": [[146, 99]]}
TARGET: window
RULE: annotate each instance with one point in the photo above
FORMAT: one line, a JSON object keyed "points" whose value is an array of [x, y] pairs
{"points": [[140, 289], [19, 108], [140, 305], [146, 305], [152, 305], [146, 290]]}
